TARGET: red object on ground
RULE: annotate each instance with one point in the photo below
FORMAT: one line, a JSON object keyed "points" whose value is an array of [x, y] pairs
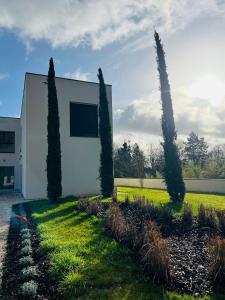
{"points": [[23, 219]]}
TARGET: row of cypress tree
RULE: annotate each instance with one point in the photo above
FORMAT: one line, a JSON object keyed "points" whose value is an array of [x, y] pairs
{"points": [[54, 172], [172, 170]]}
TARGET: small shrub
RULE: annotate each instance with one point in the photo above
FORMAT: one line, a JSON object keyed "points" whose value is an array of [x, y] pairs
{"points": [[94, 207], [187, 216], [29, 289], [26, 250], [25, 242], [216, 248], [25, 235], [26, 261], [24, 230], [29, 272], [154, 253], [201, 216], [82, 204]]}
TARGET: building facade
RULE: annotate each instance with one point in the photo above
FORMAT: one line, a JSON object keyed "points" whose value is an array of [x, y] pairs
{"points": [[79, 135], [10, 151]]}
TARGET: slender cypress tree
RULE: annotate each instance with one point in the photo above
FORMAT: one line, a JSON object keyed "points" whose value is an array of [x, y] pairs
{"points": [[106, 157], [54, 175], [172, 170]]}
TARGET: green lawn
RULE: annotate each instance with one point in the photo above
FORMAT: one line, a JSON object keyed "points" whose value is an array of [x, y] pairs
{"points": [[161, 197], [88, 264]]}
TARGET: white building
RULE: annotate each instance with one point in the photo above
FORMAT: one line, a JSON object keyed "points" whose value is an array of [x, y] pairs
{"points": [[23, 141]]}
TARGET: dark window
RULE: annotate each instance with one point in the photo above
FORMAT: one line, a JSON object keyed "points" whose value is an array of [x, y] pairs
{"points": [[83, 120], [6, 178], [7, 142]]}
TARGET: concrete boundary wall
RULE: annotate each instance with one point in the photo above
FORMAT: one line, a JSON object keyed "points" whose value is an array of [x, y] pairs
{"points": [[192, 185]]}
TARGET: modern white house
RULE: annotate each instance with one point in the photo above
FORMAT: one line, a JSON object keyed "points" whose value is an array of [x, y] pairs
{"points": [[23, 141]]}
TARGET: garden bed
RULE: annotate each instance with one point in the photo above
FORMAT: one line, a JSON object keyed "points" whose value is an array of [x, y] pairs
{"points": [[25, 274], [187, 241], [78, 256]]}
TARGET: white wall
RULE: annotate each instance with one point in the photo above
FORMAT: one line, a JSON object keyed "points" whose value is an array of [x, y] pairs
{"points": [[192, 185], [23, 141], [12, 159], [80, 156]]}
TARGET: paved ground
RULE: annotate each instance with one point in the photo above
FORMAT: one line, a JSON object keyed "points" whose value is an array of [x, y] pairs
{"points": [[6, 202]]}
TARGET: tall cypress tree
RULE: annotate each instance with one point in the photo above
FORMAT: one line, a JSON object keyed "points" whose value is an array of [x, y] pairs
{"points": [[172, 170], [54, 174], [106, 157]]}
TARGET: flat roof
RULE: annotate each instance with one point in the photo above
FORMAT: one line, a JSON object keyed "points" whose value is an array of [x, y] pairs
{"points": [[9, 117], [84, 81]]}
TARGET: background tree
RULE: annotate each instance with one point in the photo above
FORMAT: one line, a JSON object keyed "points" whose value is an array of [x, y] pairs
{"points": [[196, 149], [173, 170], [54, 174], [106, 157], [156, 161], [138, 162], [122, 161]]}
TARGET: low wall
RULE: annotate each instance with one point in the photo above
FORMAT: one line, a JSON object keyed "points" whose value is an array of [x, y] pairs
{"points": [[192, 185]]}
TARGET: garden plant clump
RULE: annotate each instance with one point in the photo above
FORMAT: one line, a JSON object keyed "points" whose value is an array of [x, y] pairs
{"points": [[21, 274], [217, 263], [29, 289], [28, 270], [154, 252]]}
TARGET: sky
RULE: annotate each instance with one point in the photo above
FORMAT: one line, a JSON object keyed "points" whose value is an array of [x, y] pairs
{"points": [[118, 36]]}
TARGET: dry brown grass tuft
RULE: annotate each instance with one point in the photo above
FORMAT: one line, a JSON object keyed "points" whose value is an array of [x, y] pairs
{"points": [[187, 216], [216, 248], [124, 230], [212, 219], [221, 219], [140, 201], [94, 207], [127, 200], [154, 253], [208, 217], [202, 215], [91, 207], [82, 204], [115, 221]]}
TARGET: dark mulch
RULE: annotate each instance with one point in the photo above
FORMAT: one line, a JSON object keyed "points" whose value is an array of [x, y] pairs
{"points": [[190, 262], [11, 281]]}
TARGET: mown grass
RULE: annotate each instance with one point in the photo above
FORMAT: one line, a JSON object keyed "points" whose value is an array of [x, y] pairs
{"points": [[161, 197], [86, 262]]}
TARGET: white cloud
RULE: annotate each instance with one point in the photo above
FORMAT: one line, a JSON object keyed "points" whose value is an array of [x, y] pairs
{"points": [[100, 22], [141, 120], [77, 74]]}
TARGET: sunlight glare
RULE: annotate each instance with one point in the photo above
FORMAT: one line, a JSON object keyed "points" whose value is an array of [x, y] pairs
{"points": [[210, 88]]}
